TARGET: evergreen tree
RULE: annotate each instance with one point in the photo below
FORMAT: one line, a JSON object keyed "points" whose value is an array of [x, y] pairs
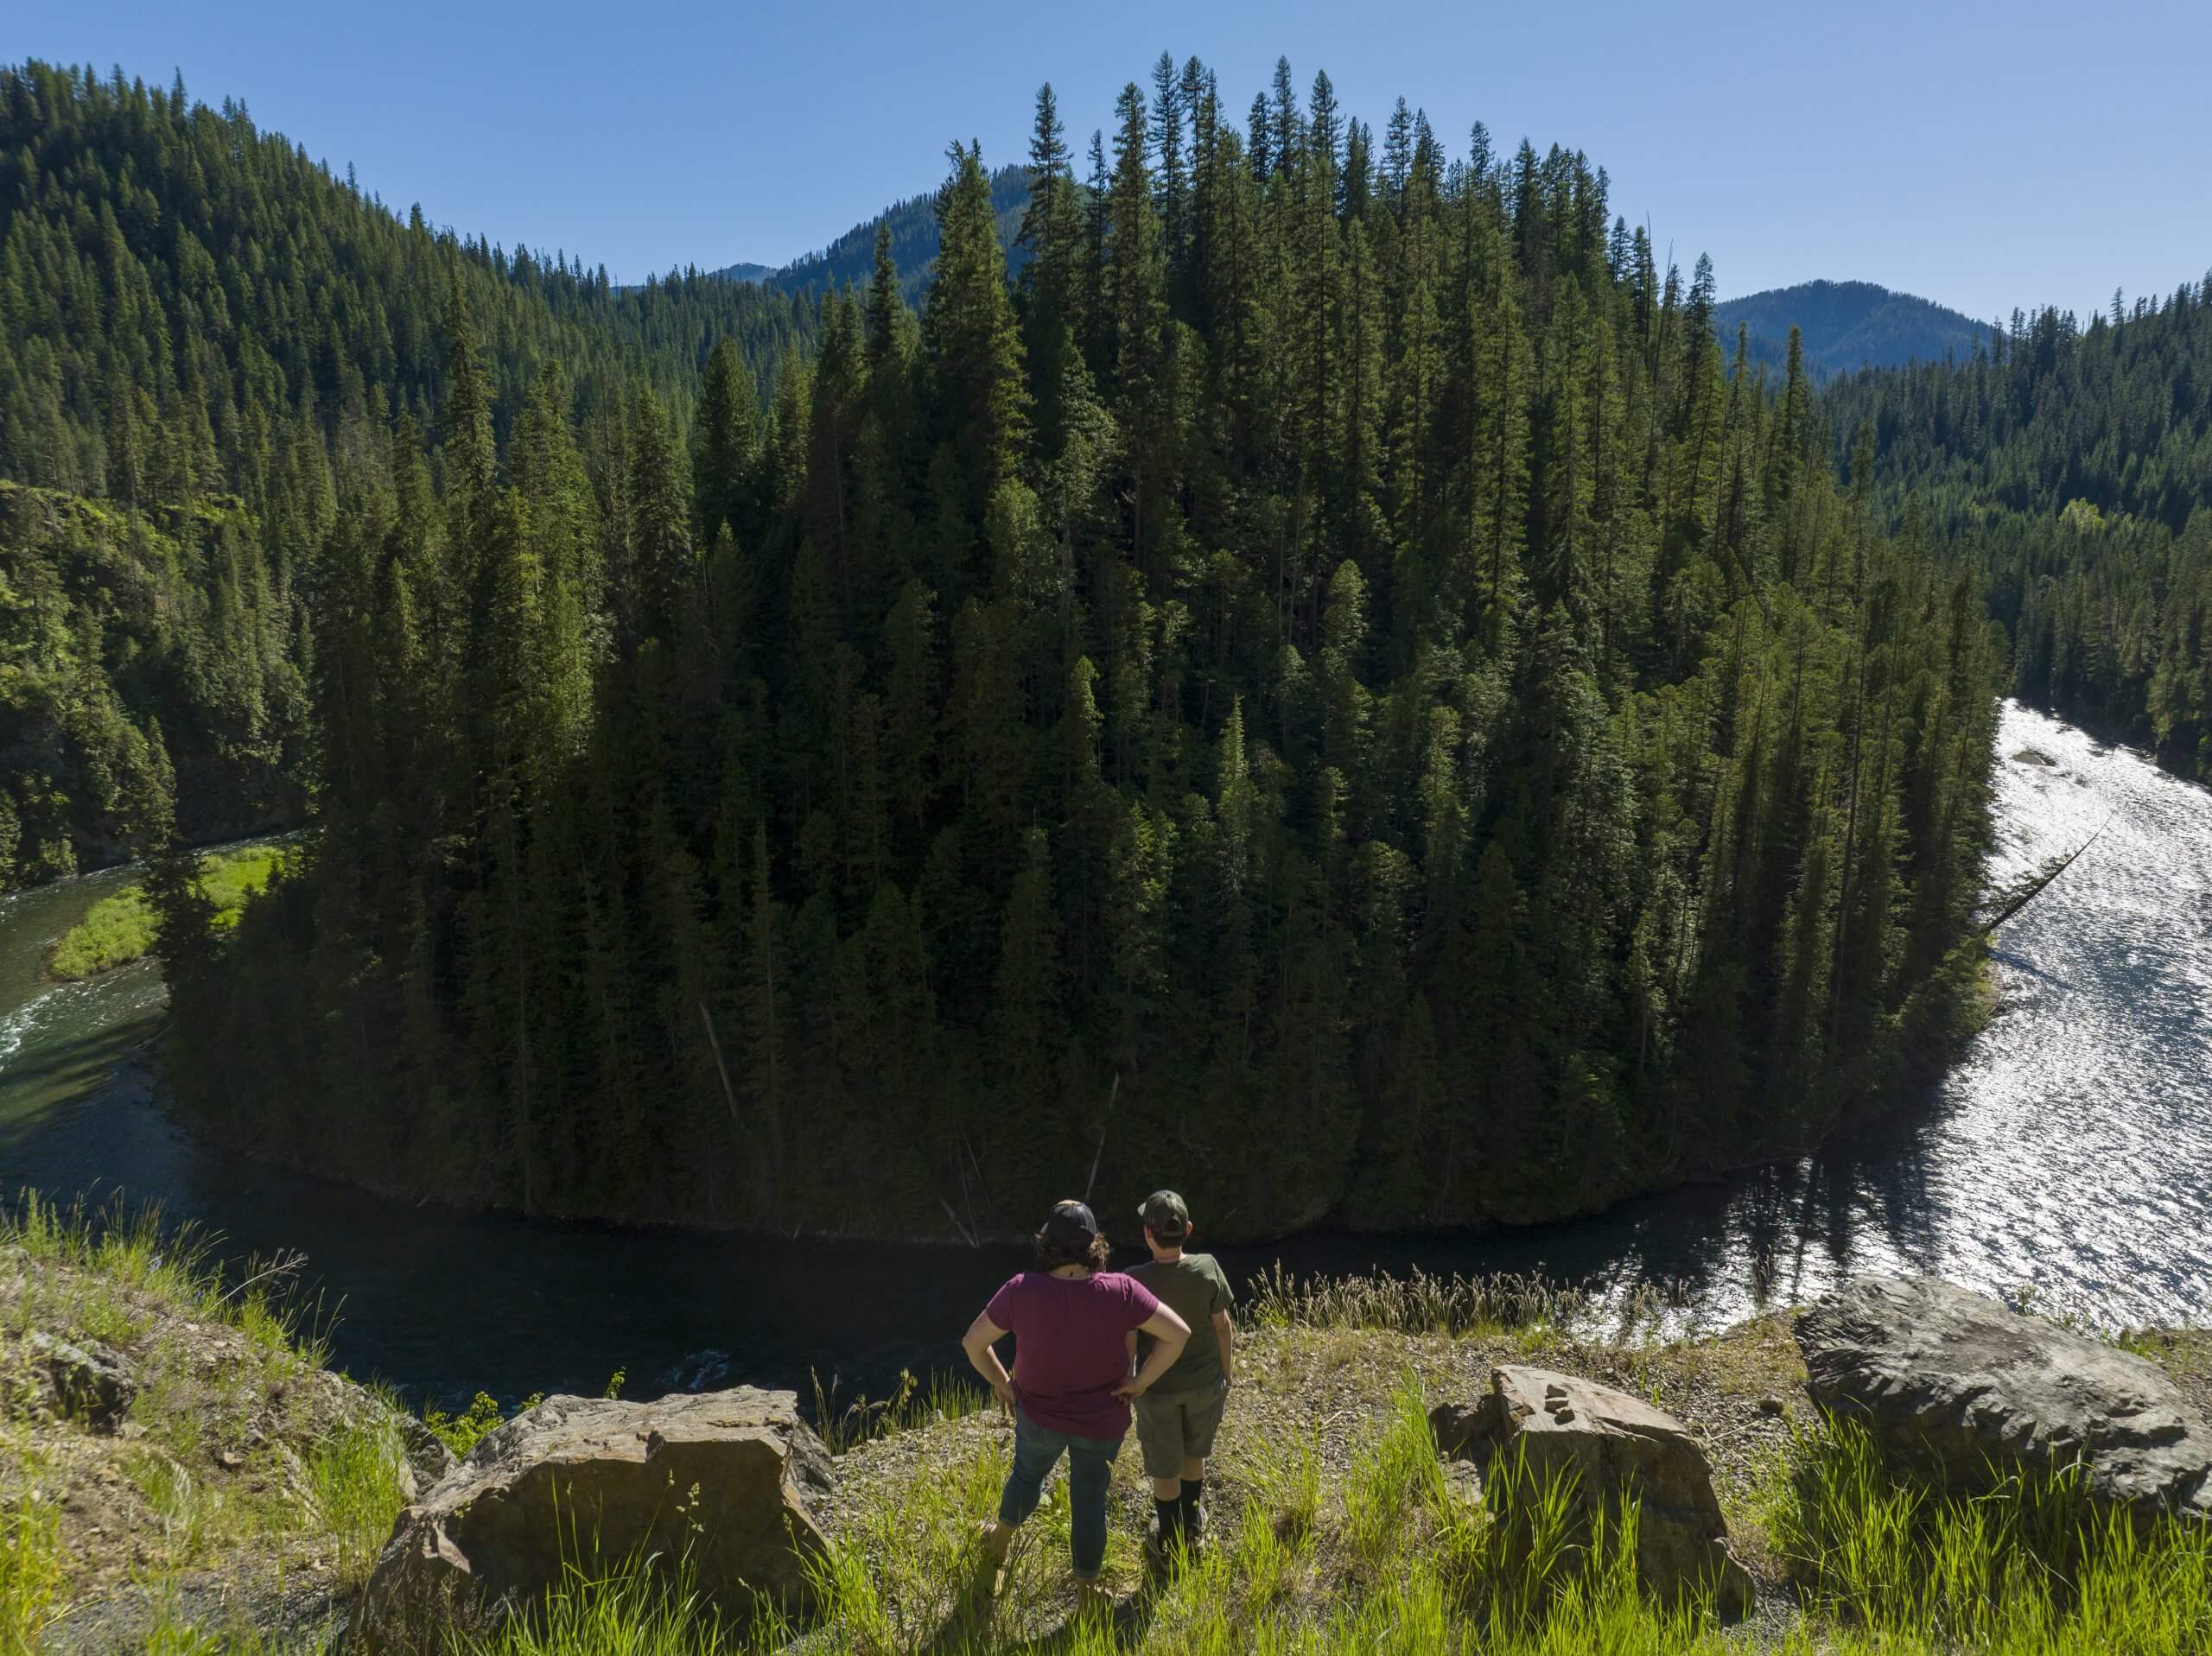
{"points": [[725, 446], [973, 347]]}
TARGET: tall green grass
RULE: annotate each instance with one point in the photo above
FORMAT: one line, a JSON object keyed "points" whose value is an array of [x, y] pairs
{"points": [[632, 1610], [119, 929], [1397, 1478], [914, 1403], [1528, 1305], [30, 1558], [2030, 1565], [355, 1488], [127, 1260]]}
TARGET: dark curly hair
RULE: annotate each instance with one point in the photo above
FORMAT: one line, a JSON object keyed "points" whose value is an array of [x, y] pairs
{"points": [[1093, 1254]]}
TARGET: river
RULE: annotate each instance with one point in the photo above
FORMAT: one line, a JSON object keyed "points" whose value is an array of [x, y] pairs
{"points": [[2070, 1151]]}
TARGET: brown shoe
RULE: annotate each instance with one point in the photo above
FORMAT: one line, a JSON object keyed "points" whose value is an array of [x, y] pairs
{"points": [[1092, 1600], [996, 1542]]}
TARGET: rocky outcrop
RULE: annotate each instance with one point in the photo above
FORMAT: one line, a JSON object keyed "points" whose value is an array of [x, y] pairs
{"points": [[1970, 1392], [85, 1381], [717, 1480], [107, 1375], [1615, 1449], [429, 1459]]}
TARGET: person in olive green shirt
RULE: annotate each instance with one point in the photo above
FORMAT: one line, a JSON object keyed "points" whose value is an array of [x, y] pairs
{"points": [[1179, 1414]]}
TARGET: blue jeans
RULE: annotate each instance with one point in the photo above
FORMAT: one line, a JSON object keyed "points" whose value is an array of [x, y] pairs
{"points": [[1037, 1450]]}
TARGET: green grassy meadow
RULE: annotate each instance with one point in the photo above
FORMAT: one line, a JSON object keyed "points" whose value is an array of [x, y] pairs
{"points": [[119, 929]]}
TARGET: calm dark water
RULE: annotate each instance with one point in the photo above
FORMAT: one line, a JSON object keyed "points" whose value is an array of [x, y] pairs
{"points": [[2071, 1152]]}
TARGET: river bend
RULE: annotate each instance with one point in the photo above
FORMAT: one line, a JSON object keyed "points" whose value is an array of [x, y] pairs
{"points": [[2070, 1153]]}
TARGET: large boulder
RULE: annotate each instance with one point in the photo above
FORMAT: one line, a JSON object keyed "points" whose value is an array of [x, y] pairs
{"points": [[716, 1480], [1617, 1449], [1970, 1392]]}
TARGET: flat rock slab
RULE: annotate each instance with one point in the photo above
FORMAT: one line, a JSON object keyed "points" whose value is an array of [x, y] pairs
{"points": [[1970, 1392], [1617, 1448], [714, 1479]]}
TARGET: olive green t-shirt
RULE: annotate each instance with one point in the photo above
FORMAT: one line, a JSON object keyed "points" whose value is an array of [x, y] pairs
{"points": [[1195, 1287]]}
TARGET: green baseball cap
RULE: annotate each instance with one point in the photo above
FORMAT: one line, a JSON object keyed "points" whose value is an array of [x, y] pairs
{"points": [[1165, 1215]]}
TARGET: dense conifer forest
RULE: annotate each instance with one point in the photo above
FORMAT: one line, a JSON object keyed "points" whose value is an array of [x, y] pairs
{"points": [[199, 330], [1322, 675], [2069, 465]]}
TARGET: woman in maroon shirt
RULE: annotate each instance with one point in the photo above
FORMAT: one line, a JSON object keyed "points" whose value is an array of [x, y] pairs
{"points": [[1072, 1319]]}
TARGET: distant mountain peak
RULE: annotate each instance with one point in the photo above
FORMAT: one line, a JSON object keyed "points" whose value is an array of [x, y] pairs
{"points": [[850, 259], [1847, 325]]}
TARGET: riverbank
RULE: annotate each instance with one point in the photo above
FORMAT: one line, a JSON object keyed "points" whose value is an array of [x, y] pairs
{"points": [[119, 929], [1975, 1001], [238, 1499]]}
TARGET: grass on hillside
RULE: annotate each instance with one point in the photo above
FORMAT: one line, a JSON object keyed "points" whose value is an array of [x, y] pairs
{"points": [[30, 1554], [1400, 1564], [1331, 1528], [2032, 1566], [231, 1457], [123, 1261], [119, 928]]}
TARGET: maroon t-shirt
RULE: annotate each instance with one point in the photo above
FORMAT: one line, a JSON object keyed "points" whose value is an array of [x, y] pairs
{"points": [[1069, 1351]]}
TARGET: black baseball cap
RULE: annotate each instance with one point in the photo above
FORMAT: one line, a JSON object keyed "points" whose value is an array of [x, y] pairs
{"points": [[1071, 1223], [1165, 1215]]}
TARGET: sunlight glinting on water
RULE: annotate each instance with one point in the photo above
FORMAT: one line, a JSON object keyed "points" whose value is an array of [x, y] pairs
{"points": [[2068, 1153]]}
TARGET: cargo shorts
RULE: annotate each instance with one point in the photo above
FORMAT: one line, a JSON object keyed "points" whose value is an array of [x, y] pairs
{"points": [[1176, 1426]]}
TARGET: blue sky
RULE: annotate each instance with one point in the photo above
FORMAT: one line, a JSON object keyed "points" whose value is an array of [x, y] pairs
{"points": [[1983, 155]]}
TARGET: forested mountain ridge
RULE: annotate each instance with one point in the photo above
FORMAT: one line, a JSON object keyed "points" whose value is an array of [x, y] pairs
{"points": [[199, 329], [912, 225], [2070, 465], [1848, 325], [1333, 645]]}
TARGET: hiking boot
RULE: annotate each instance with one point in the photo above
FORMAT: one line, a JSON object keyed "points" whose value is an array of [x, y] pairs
{"points": [[1093, 1601], [1155, 1550]]}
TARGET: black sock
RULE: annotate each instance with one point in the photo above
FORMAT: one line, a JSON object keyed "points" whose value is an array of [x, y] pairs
{"points": [[1194, 1491], [1170, 1516]]}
